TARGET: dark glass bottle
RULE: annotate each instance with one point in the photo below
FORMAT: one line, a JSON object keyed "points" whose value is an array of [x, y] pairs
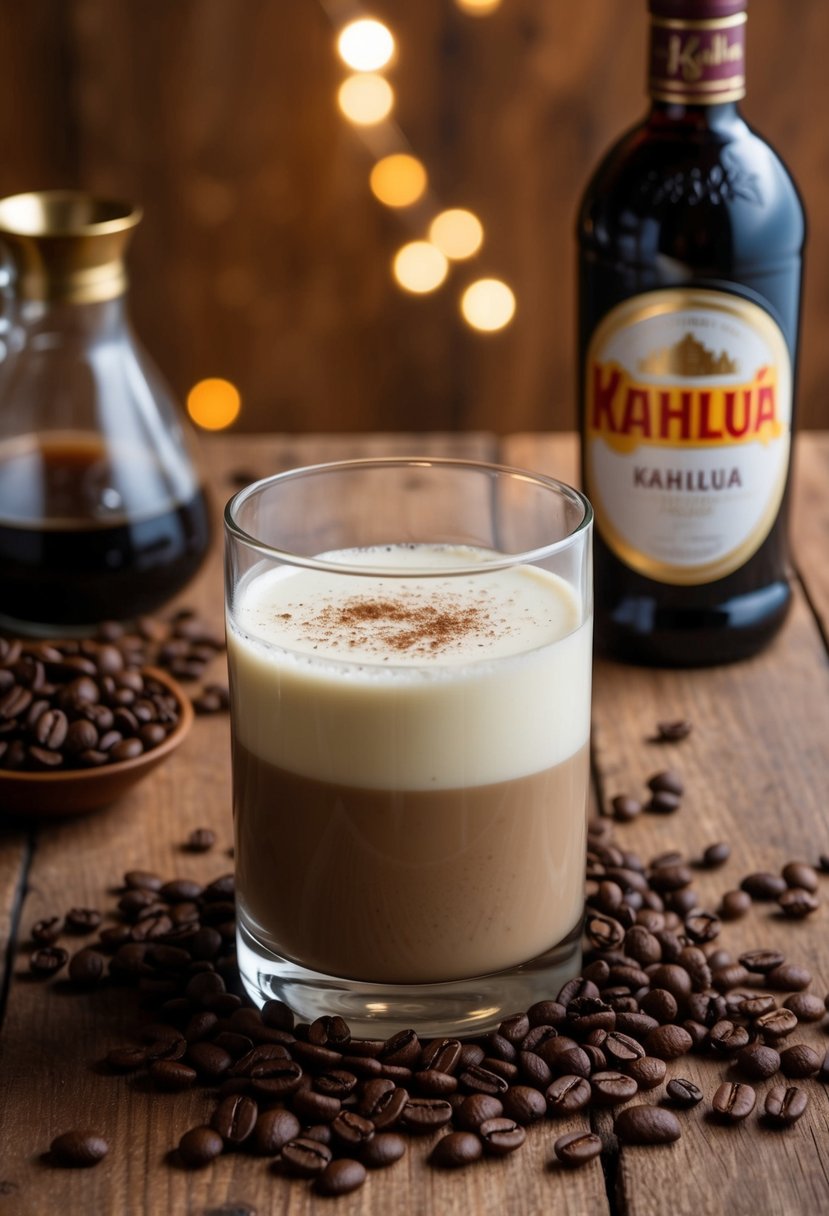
{"points": [[690, 236]]}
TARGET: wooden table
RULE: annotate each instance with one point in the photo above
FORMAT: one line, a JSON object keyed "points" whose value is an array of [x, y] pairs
{"points": [[756, 771]]}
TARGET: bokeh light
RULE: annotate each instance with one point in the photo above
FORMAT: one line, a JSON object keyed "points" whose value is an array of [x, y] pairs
{"points": [[365, 99], [214, 404], [398, 180], [478, 8], [488, 305], [457, 233], [366, 45], [420, 267]]}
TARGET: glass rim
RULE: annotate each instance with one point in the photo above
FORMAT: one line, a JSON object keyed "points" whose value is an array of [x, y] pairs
{"points": [[526, 557]]}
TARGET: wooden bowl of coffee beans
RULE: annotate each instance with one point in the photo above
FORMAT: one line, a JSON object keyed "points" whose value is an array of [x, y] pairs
{"points": [[79, 725]]}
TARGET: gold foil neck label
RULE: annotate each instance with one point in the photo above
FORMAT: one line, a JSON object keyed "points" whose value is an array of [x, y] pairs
{"points": [[687, 431], [698, 62]]}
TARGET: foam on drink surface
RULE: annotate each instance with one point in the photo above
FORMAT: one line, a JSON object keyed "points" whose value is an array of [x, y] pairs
{"points": [[419, 682]]}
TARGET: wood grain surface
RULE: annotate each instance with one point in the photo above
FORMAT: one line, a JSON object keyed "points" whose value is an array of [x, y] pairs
{"points": [[755, 768], [263, 256]]}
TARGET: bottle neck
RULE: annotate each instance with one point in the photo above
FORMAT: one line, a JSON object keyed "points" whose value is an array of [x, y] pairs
{"points": [[673, 114], [87, 322], [697, 64]]}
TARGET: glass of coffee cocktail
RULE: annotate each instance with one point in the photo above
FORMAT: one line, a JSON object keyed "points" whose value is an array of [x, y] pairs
{"points": [[409, 643]]}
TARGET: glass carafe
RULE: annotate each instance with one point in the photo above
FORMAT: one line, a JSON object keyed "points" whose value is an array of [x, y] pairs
{"points": [[102, 514]]}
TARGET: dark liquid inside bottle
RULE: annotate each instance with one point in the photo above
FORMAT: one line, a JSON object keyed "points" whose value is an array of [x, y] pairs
{"points": [[70, 554], [691, 198]]}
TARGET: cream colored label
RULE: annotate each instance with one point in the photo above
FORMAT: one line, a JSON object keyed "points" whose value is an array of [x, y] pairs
{"points": [[687, 431]]}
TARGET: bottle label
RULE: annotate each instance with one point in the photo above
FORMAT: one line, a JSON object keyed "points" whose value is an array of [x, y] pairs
{"points": [[698, 62], [687, 429]]}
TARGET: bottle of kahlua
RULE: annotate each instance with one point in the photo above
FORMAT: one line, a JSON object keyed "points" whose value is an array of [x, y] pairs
{"points": [[690, 237]]}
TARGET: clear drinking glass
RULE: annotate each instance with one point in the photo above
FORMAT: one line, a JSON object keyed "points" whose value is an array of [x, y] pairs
{"points": [[409, 643]]}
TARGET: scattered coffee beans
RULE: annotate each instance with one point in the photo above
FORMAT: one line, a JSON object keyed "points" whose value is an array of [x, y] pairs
{"points": [[784, 1105], [577, 1148], [79, 1149], [655, 986], [733, 1101], [647, 1125]]}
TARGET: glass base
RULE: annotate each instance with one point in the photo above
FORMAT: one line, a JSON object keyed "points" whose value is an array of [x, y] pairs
{"points": [[450, 1009]]}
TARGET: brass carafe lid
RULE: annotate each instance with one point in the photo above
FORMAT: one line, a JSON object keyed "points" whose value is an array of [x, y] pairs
{"points": [[67, 245]]}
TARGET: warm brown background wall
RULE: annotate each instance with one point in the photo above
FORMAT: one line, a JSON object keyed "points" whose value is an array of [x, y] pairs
{"points": [[263, 257]]}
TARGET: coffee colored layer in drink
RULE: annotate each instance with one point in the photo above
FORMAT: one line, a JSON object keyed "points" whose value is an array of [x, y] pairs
{"points": [[409, 886], [409, 764]]}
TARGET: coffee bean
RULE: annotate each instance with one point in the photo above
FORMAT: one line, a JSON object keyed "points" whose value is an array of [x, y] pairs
{"points": [[523, 1104], [799, 874], [702, 927], [716, 855], [383, 1150], [733, 1101], [402, 1048], [501, 1136], [47, 961], [46, 932], [660, 1004], [312, 1107], [734, 904], [798, 903], [330, 1032], [274, 1128], [351, 1129], [757, 1062], [621, 1048], [625, 808], [789, 977], [421, 1115], [172, 1075], [784, 1105], [648, 1072], [668, 781], [79, 1149], [805, 1006], [304, 1157], [200, 840], [82, 920], [235, 1118], [209, 1061], [341, 1177], [668, 1042], [478, 1079], [566, 1095], [726, 1039], [386, 1109], [86, 968], [442, 1055], [199, 1146], [577, 1148], [683, 1093], [611, 1088], [761, 961], [776, 1024], [457, 1150], [476, 1109], [763, 885], [673, 978], [647, 1125], [799, 1061]]}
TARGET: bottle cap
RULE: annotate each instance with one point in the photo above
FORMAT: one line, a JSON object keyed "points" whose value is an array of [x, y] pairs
{"points": [[67, 245], [697, 10]]}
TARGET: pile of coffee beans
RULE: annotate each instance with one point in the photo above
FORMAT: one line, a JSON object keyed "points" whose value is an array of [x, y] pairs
{"points": [[72, 705], [84, 703], [323, 1106], [182, 644]]}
